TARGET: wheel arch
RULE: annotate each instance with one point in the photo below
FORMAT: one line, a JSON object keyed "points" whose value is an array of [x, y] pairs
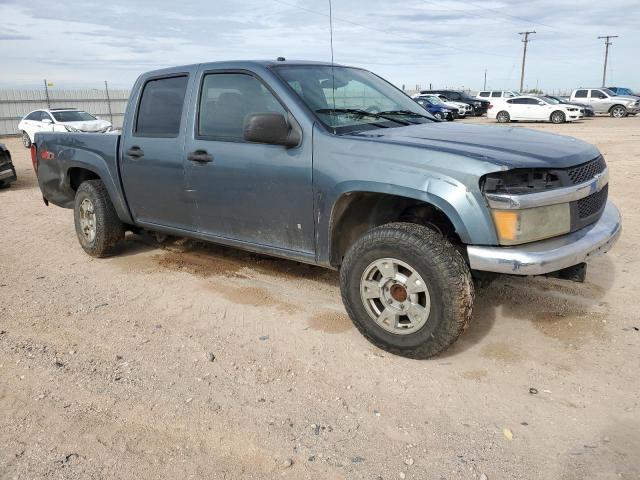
{"points": [[356, 211]]}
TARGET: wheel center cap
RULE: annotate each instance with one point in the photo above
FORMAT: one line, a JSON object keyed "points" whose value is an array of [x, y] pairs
{"points": [[399, 293]]}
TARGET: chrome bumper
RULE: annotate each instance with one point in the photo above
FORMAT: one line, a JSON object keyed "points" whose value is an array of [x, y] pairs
{"points": [[551, 255]]}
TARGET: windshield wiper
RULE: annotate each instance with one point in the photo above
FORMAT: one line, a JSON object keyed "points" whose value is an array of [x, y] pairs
{"points": [[408, 113], [363, 113]]}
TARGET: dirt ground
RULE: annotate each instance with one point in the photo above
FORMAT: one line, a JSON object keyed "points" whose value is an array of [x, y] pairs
{"points": [[194, 361]]}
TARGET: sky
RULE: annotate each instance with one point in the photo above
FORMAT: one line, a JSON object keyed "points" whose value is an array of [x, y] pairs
{"points": [[443, 43]]}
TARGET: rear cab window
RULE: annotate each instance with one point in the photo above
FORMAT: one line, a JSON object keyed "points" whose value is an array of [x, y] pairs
{"points": [[160, 107], [581, 93]]}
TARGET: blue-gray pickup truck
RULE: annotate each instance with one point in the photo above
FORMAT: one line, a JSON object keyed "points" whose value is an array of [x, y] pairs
{"points": [[334, 166]]}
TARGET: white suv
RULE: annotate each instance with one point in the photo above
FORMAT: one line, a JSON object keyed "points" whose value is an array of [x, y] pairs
{"points": [[60, 120], [494, 95]]}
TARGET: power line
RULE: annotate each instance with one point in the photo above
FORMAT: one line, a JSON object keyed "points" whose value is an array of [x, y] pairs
{"points": [[525, 40], [607, 42]]}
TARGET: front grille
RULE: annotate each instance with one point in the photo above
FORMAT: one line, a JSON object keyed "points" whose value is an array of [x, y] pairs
{"points": [[592, 204], [586, 171]]}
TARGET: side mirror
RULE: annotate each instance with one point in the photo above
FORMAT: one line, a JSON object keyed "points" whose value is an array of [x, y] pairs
{"points": [[271, 128], [47, 121], [541, 103]]}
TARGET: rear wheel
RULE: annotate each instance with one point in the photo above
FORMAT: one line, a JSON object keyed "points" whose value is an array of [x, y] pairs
{"points": [[407, 289], [618, 111], [26, 141], [558, 117], [97, 224], [503, 117]]}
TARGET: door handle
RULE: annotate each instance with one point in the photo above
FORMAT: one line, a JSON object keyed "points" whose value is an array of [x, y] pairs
{"points": [[200, 156], [135, 152]]}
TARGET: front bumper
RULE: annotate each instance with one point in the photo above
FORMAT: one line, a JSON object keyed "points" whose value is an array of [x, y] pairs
{"points": [[545, 256]]}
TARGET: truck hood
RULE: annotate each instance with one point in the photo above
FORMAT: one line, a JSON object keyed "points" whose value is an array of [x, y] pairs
{"points": [[625, 98], [510, 147]]}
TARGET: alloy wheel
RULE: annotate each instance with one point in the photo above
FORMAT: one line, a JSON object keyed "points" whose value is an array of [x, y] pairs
{"points": [[395, 296]]}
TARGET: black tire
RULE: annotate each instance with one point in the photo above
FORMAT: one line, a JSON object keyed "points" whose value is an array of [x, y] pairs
{"points": [[503, 117], [558, 117], [438, 115], [618, 111], [447, 279], [26, 141], [109, 230]]}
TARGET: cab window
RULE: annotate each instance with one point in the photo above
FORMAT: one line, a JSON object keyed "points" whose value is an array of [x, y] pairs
{"points": [[160, 108], [227, 99]]}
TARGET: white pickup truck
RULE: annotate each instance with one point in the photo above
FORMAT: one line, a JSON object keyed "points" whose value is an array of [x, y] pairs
{"points": [[603, 100]]}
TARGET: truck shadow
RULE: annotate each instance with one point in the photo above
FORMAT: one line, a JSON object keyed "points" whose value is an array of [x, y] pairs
{"points": [[570, 313]]}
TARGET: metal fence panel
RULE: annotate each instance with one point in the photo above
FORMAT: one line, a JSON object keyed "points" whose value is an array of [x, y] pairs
{"points": [[15, 104]]}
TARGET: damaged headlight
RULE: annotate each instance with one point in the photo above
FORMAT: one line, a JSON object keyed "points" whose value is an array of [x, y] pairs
{"points": [[528, 225]]}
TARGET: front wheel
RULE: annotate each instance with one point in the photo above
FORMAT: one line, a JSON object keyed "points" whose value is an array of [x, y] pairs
{"points": [[558, 117], [438, 115], [618, 111], [407, 289], [97, 224], [26, 141]]}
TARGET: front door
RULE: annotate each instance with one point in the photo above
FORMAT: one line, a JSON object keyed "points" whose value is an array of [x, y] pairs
{"points": [[249, 192], [153, 156]]}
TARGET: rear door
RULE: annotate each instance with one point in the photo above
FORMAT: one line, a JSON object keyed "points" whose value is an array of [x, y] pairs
{"points": [[249, 192], [152, 157]]}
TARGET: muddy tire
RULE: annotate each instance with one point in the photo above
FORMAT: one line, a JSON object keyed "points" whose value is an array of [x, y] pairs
{"points": [[407, 289], [97, 224]]}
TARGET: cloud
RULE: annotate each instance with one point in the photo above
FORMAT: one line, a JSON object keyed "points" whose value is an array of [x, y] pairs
{"points": [[442, 42]]}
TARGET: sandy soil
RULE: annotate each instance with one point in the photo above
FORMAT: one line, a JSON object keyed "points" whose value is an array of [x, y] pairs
{"points": [[194, 361]]}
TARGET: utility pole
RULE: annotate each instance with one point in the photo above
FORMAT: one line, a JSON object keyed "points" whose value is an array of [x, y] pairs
{"points": [[485, 79], [525, 40], [46, 92], [106, 90], [606, 55]]}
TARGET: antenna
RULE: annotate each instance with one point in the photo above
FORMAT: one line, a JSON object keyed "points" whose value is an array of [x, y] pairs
{"points": [[333, 77]]}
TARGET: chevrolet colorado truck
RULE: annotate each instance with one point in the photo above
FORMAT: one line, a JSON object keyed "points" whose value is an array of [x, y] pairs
{"points": [[334, 166]]}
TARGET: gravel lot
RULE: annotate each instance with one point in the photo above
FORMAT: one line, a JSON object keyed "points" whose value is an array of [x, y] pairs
{"points": [[194, 361]]}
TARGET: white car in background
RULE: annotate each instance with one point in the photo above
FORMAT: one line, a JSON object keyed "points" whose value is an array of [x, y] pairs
{"points": [[60, 120], [540, 109]]}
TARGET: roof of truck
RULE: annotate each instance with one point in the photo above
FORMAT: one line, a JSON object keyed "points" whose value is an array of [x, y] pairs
{"points": [[242, 64]]}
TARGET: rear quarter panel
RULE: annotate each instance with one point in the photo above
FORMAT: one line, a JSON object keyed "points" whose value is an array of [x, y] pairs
{"points": [[57, 153]]}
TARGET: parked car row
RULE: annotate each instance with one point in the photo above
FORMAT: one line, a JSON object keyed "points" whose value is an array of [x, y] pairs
{"points": [[507, 105]]}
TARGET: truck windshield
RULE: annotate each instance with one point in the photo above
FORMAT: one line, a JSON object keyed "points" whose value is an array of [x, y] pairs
{"points": [[73, 116], [349, 99]]}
